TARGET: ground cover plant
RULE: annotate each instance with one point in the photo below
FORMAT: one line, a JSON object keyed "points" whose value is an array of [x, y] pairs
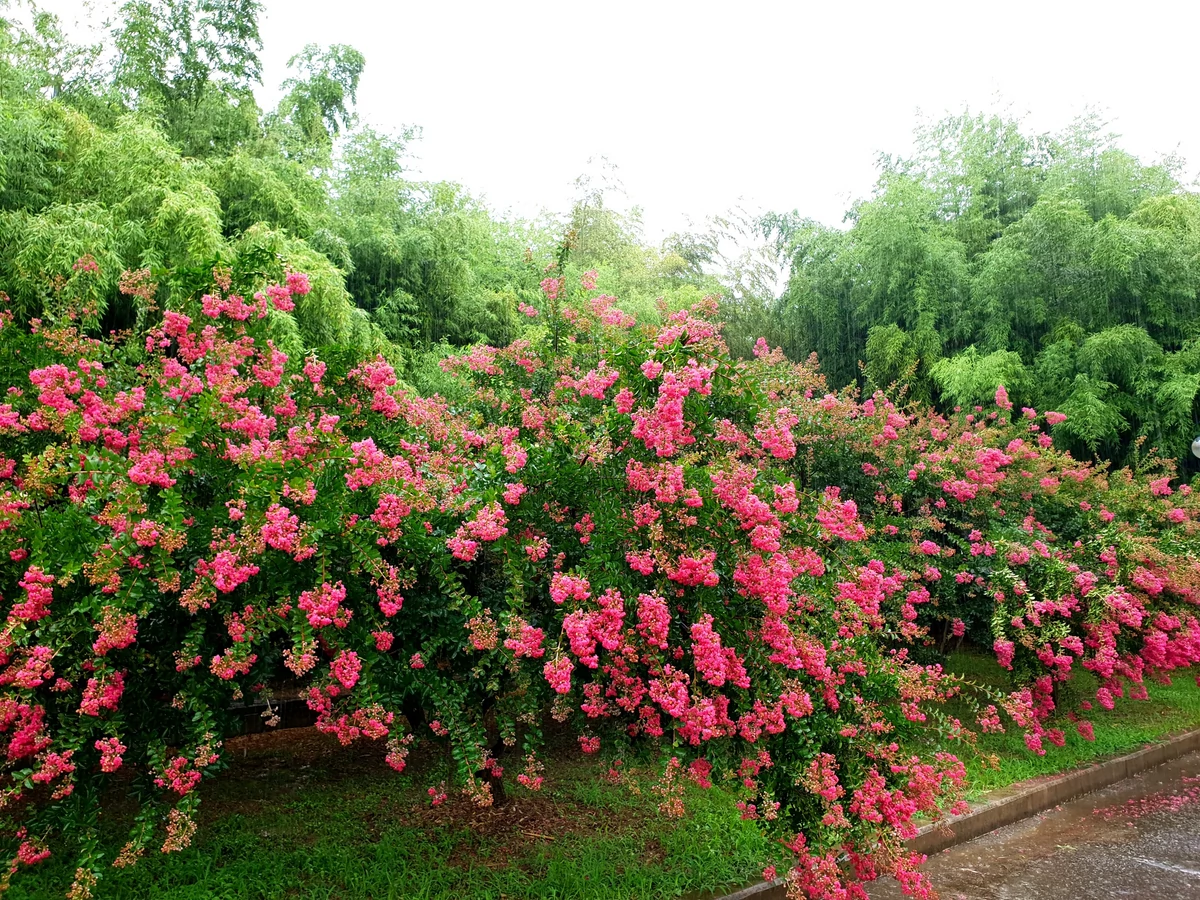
{"points": [[620, 527]]}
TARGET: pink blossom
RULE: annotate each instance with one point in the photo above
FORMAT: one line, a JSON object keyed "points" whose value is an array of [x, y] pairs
{"points": [[1161, 487], [839, 518], [38, 594], [297, 283], [1004, 652], [383, 640], [281, 528], [103, 692], [35, 671], [568, 587], [696, 570], [110, 753], [117, 631], [461, 546], [558, 674], [652, 368], [324, 606], [346, 668], [488, 524], [527, 642]]}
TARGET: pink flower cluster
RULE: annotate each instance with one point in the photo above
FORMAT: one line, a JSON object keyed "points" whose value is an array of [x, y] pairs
{"points": [[569, 587], [226, 571], [696, 570], [117, 631], [38, 593], [110, 753], [527, 640], [715, 663], [664, 429], [103, 692], [282, 528], [346, 668], [839, 518], [558, 674], [324, 606]]}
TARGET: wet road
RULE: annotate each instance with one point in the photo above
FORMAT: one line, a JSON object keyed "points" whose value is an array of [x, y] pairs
{"points": [[1139, 838]]}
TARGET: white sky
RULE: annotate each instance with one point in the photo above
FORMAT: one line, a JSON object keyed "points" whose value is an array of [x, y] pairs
{"points": [[700, 103]]}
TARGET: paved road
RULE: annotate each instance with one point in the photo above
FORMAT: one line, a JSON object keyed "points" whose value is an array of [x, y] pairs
{"points": [[1137, 839]]}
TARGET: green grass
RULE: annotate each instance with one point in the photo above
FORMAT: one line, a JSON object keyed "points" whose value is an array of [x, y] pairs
{"points": [[340, 828], [297, 816], [1132, 724]]}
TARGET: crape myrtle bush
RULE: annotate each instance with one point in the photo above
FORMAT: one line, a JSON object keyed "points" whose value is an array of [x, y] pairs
{"points": [[621, 528], [1052, 563]]}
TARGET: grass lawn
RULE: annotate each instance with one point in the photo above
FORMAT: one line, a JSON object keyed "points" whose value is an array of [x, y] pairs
{"points": [[1133, 723], [296, 815]]}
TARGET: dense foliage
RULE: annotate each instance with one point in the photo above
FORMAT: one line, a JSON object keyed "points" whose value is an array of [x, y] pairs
{"points": [[623, 528], [1057, 265], [150, 152], [159, 158], [628, 518]]}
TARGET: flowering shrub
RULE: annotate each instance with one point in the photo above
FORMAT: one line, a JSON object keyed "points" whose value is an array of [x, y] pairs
{"points": [[626, 530], [1052, 563]]}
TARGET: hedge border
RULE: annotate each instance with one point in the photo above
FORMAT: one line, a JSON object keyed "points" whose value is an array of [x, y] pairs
{"points": [[1027, 799]]}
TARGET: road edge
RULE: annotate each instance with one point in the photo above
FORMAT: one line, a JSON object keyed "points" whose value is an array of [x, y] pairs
{"points": [[1040, 796], [1024, 802]]}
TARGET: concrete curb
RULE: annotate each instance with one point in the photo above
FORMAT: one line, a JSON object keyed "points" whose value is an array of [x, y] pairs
{"points": [[1027, 799], [764, 890]]}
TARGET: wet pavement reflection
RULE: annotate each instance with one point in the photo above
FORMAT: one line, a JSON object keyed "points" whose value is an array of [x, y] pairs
{"points": [[1139, 838]]}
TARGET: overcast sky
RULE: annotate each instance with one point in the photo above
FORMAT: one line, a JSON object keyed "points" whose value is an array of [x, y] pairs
{"points": [[700, 103]]}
